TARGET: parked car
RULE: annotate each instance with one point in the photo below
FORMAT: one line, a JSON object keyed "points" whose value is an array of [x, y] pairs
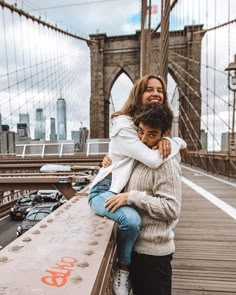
{"points": [[63, 200], [50, 195], [39, 212], [23, 206], [80, 184]]}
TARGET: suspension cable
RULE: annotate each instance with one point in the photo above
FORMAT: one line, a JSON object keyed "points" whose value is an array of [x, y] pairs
{"points": [[39, 21]]}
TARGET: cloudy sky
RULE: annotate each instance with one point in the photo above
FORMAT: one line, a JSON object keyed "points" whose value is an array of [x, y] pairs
{"points": [[79, 17], [113, 17]]}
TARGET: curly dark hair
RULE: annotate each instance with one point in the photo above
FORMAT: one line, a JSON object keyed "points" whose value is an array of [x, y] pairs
{"points": [[155, 115]]}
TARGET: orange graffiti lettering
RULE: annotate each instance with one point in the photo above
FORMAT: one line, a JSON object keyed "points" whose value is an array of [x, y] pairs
{"points": [[62, 266], [59, 278], [73, 260]]}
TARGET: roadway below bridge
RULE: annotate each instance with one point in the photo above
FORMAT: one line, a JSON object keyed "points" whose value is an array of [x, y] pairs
{"points": [[62, 184], [8, 230]]}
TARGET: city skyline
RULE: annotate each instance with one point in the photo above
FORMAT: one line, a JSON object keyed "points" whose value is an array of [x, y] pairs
{"points": [[39, 127]]}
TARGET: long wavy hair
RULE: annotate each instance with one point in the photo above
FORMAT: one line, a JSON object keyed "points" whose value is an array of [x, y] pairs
{"points": [[134, 101]]}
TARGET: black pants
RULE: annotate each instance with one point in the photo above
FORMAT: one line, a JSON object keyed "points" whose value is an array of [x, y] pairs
{"points": [[150, 275]]}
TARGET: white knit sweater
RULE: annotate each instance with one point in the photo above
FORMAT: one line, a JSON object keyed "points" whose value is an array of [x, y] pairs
{"points": [[156, 195]]}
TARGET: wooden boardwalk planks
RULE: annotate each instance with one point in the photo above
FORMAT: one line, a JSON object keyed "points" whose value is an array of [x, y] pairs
{"points": [[205, 259]]}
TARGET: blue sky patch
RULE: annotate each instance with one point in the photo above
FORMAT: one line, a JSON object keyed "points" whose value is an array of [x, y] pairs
{"points": [[136, 18]]}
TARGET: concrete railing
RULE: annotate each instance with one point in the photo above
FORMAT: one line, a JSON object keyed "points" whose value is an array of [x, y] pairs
{"points": [[72, 251]]}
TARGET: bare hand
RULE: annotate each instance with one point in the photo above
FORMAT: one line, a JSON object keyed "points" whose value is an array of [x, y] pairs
{"points": [[164, 147], [107, 161], [115, 202]]}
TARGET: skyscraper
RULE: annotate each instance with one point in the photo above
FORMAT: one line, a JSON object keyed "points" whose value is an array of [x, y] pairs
{"points": [[0, 122], [61, 119], [25, 119], [53, 135], [39, 124]]}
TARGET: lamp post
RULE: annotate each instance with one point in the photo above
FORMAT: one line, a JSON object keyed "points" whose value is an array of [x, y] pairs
{"points": [[232, 86]]}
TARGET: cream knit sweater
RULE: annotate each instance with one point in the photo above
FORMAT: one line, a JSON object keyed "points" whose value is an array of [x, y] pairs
{"points": [[156, 195]]}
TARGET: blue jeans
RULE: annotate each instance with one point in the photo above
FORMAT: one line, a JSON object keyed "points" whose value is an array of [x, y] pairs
{"points": [[127, 217]]}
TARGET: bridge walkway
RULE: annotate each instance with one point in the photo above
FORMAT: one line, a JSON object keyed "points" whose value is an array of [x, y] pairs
{"points": [[205, 259]]}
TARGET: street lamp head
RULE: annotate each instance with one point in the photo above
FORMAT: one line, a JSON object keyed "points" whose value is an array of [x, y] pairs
{"points": [[231, 69], [231, 66]]}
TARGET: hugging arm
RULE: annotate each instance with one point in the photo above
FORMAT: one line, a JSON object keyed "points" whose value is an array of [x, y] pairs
{"points": [[128, 144]]}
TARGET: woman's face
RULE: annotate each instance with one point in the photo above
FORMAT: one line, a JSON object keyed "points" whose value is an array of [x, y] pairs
{"points": [[153, 92]]}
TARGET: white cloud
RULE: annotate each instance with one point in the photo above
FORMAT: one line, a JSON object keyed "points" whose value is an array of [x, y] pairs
{"points": [[114, 17], [107, 16]]}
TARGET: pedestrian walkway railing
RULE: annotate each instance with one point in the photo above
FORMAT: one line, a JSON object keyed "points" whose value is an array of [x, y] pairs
{"points": [[45, 149], [98, 146]]}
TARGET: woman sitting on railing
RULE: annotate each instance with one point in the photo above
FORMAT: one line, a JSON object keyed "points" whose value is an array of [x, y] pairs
{"points": [[125, 149]]}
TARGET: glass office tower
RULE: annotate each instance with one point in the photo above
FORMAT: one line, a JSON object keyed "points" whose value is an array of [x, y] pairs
{"points": [[39, 125], [61, 119]]}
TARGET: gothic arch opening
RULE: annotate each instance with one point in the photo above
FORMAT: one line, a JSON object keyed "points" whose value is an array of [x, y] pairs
{"points": [[173, 97], [119, 92]]}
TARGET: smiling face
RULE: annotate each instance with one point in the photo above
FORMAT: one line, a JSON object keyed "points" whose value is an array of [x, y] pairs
{"points": [[153, 92], [148, 135]]}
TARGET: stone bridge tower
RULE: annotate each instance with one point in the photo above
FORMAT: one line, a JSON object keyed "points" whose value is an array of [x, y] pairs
{"points": [[112, 56]]}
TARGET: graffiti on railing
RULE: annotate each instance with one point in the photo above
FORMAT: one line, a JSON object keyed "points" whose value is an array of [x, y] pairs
{"points": [[60, 272]]}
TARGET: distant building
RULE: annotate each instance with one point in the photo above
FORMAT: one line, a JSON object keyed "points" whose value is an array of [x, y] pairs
{"points": [[204, 140], [75, 136], [83, 138], [22, 130], [5, 127], [7, 142], [61, 119], [7, 139], [80, 137], [225, 141], [0, 122], [25, 119], [53, 135], [39, 125]]}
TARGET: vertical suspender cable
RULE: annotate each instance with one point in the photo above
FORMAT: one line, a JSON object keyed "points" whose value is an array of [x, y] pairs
{"points": [[7, 69], [16, 66], [164, 46], [207, 83]]}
